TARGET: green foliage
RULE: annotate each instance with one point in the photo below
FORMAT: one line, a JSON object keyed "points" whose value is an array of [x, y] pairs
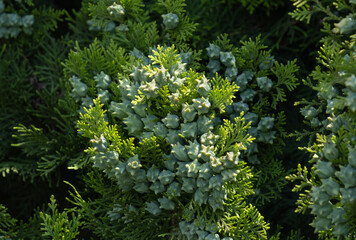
{"points": [[96, 58], [263, 83], [31, 85], [186, 27], [140, 37], [93, 124], [332, 116], [99, 12], [335, 25], [58, 225], [305, 181], [11, 105], [135, 29], [239, 223], [166, 59], [305, 9], [171, 119], [222, 92], [268, 5], [156, 148], [100, 216], [231, 137], [286, 77], [31, 138], [11, 228], [30, 88], [170, 6], [152, 151], [7, 223]]}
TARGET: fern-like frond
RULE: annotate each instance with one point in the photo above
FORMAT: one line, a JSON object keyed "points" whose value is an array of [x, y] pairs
{"points": [[151, 151], [184, 31], [99, 14], [59, 225], [307, 180], [134, 8], [92, 123], [251, 51], [46, 21], [141, 36], [6, 221], [75, 64], [224, 43], [233, 136], [222, 92], [305, 9], [49, 69], [302, 11], [172, 6], [165, 57], [32, 140], [285, 77], [245, 222]]}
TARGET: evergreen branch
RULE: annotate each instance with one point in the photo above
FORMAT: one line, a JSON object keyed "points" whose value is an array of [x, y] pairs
{"points": [[302, 12], [172, 6], [222, 92], [99, 14], [151, 35], [49, 69], [165, 57], [286, 74], [285, 77], [188, 90], [115, 59], [233, 136], [251, 6], [46, 21], [270, 181], [301, 175], [75, 64], [223, 42], [244, 222], [7, 223], [142, 35], [32, 140], [92, 123], [133, 8], [151, 151], [281, 121], [280, 96], [244, 184], [305, 182], [184, 31], [57, 225], [195, 58], [305, 9], [250, 52]]}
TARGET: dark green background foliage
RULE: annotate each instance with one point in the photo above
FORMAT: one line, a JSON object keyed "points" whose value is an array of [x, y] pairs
{"points": [[49, 188]]}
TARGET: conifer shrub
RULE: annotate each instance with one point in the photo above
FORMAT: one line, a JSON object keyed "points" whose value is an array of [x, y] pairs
{"points": [[167, 155], [262, 83], [328, 185], [30, 83], [36, 131], [143, 120], [158, 104]]}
